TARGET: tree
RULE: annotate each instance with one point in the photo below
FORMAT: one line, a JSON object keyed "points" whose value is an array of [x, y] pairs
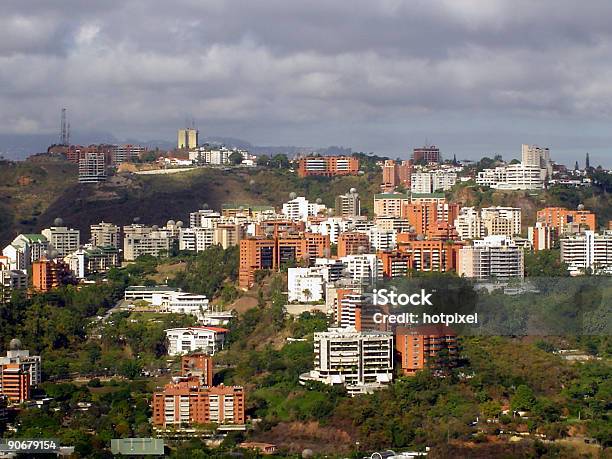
{"points": [[263, 160], [523, 398], [235, 158]]}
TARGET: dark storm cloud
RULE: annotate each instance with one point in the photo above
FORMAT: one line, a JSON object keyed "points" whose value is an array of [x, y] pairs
{"points": [[313, 72]]}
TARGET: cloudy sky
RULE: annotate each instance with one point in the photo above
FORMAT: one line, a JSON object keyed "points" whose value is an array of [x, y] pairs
{"points": [[474, 77]]}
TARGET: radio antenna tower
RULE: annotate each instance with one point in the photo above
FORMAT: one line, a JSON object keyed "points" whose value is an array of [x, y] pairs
{"points": [[64, 129]]}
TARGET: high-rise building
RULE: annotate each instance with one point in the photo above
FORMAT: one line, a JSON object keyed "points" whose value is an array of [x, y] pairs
{"points": [[62, 239], [425, 346], [494, 257], [532, 155], [328, 166], [429, 255], [542, 236], [145, 240], [126, 153], [426, 154], [362, 361], [300, 209], [348, 205], [432, 181], [501, 221], [92, 168], [187, 402], [105, 235], [187, 138], [422, 216]]}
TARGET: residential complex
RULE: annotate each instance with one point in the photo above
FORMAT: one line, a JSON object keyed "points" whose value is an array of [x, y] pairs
{"points": [[492, 258], [20, 372], [425, 347], [587, 252]]}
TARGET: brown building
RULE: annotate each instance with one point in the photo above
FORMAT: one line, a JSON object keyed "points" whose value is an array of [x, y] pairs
{"points": [[328, 166], [559, 218], [352, 244], [198, 365], [426, 154], [429, 255], [395, 263], [187, 402], [271, 253], [49, 274], [433, 346], [395, 174], [423, 215]]}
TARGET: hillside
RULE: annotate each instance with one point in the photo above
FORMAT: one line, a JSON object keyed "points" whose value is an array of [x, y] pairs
{"points": [[153, 198]]}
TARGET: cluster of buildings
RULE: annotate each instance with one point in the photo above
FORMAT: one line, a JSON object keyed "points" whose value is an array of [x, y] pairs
{"points": [[191, 398], [532, 173]]}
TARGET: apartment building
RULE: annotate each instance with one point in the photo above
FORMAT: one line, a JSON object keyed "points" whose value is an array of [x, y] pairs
{"points": [[10, 280], [187, 138], [469, 224], [127, 153], [50, 274], [382, 239], [92, 167], [62, 239], [542, 236], [105, 235], [501, 221], [422, 215], [587, 251], [362, 269], [327, 166], [494, 257], [390, 204], [395, 174], [431, 181], [146, 240], [271, 253], [429, 255], [512, 177], [25, 249], [198, 365], [348, 205], [19, 372], [186, 401], [91, 260], [426, 154], [305, 285], [395, 263], [196, 239], [362, 361], [566, 221], [207, 340], [352, 243], [534, 155], [423, 347], [299, 209]]}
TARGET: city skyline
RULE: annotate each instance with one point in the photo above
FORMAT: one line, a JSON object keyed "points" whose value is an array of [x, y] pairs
{"points": [[475, 80]]}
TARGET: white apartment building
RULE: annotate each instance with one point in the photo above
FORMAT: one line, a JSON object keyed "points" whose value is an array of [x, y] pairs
{"points": [[431, 181], [366, 268], [494, 257], [305, 285], [299, 209], [89, 260], [145, 240], [361, 361], [92, 167], [382, 240], [64, 240], [196, 239], [105, 235], [204, 218], [512, 177], [191, 339], [469, 224], [25, 249], [587, 251]]}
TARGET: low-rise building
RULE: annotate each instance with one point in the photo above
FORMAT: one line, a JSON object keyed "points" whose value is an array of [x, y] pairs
{"points": [[195, 339]]}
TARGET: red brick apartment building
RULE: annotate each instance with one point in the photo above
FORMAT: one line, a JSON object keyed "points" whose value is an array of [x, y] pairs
{"points": [[420, 346], [271, 253], [188, 402], [327, 166]]}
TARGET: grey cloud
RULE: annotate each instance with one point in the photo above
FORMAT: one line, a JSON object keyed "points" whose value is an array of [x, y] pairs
{"points": [[302, 72]]}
